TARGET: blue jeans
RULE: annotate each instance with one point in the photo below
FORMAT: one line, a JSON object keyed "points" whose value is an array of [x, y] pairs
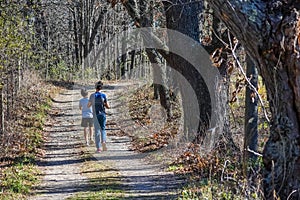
{"points": [[100, 133]]}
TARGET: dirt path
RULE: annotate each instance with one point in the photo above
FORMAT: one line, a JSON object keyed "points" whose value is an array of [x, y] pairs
{"points": [[61, 165], [62, 159]]}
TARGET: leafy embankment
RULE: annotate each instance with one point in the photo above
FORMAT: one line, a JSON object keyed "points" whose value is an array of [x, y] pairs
{"points": [[23, 138], [142, 107], [221, 174], [217, 175]]}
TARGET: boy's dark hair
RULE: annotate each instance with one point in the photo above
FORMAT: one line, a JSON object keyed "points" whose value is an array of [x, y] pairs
{"points": [[84, 93], [99, 85]]}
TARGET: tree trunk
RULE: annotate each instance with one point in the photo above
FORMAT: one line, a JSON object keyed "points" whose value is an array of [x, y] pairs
{"points": [[184, 17], [123, 60], [76, 39], [159, 84], [251, 113], [212, 39], [271, 37], [1, 109], [132, 63]]}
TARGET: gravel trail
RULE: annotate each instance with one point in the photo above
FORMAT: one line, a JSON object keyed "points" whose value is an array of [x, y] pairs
{"points": [[62, 161]]}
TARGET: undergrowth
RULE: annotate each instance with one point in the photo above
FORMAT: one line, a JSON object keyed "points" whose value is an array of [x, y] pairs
{"points": [[147, 112], [217, 175], [23, 137]]}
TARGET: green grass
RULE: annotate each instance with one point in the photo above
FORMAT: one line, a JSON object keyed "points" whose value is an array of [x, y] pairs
{"points": [[105, 194], [40, 116], [206, 190], [210, 189], [174, 168], [18, 180]]}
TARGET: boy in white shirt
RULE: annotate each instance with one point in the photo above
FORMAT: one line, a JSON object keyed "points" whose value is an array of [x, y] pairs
{"points": [[87, 116]]}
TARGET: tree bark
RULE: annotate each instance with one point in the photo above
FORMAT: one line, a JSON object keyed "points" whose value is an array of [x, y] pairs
{"points": [[184, 17], [76, 40], [132, 62], [269, 30], [1, 108], [213, 39], [251, 112], [159, 79]]}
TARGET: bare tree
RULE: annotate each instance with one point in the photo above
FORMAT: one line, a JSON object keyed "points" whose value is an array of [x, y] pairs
{"points": [[14, 45]]}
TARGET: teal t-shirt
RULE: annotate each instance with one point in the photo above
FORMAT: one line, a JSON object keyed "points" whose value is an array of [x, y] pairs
{"points": [[100, 108]]}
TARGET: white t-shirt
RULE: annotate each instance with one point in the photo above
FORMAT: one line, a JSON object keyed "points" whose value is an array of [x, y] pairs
{"points": [[86, 111]]}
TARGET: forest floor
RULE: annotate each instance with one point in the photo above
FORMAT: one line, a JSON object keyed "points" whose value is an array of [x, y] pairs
{"points": [[72, 170]]}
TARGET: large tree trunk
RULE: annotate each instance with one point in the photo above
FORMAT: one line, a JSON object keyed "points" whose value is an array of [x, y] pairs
{"points": [[271, 37], [184, 18], [212, 39]]}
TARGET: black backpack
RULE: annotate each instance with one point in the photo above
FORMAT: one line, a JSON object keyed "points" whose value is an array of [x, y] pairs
{"points": [[99, 103]]}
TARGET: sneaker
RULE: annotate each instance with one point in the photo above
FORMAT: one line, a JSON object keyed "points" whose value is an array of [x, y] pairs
{"points": [[87, 144], [104, 147], [98, 151]]}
